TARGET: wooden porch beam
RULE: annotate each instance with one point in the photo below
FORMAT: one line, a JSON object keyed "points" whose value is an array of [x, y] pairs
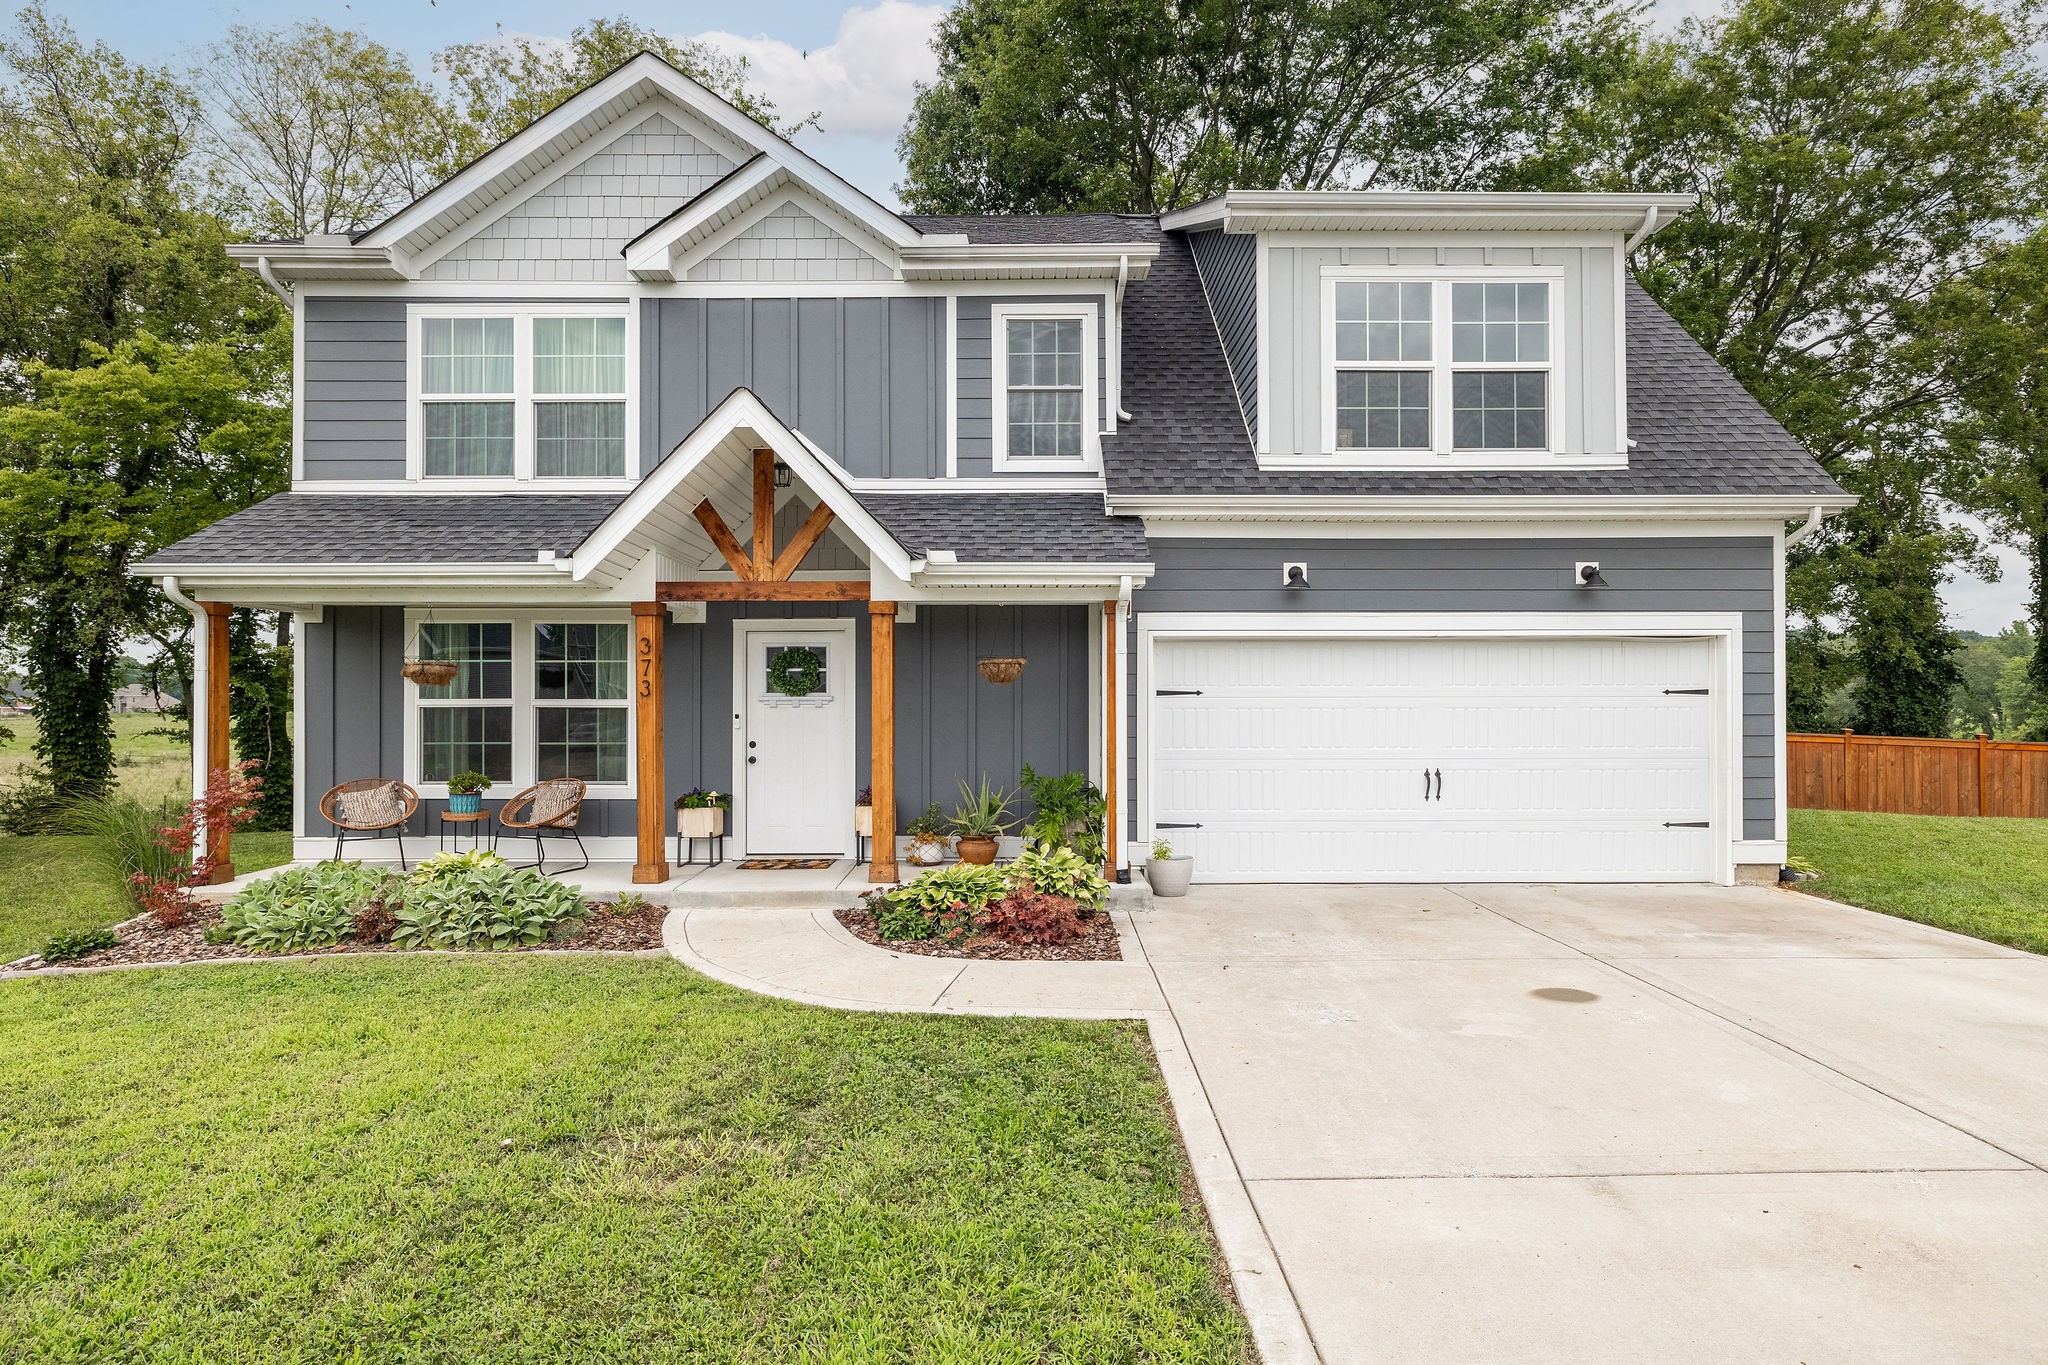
{"points": [[882, 738], [649, 864], [218, 853], [764, 513], [794, 590], [721, 535], [800, 545]]}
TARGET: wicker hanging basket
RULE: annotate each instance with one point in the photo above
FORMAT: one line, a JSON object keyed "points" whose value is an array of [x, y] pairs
{"points": [[430, 672], [1000, 671]]}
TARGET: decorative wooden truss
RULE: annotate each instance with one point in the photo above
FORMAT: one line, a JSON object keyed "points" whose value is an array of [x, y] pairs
{"points": [[765, 574]]}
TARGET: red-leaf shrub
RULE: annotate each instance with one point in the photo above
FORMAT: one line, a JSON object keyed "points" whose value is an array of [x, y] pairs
{"points": [[228, 803], [1028, 917]]}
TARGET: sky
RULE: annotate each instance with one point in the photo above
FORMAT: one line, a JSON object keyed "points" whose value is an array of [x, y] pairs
{"points": [[856, 65]]}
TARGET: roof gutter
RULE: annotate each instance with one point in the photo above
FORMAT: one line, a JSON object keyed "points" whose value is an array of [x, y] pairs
{"points": [[1807, 528], [1116, 337], [1642, 234], [269, 277], [1467, 507]]}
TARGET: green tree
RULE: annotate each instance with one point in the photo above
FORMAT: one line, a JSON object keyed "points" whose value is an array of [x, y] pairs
{"points": [[1141, 106], [499, 86], [260, 716]]}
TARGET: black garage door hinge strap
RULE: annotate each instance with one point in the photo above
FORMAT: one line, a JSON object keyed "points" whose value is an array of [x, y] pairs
{"points": [[1686, 824], [1178, 692], [1175, 824], [1685, 691]]}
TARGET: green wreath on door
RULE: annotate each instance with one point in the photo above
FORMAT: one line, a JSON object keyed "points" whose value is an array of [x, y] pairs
{"points": [[796, 671]]}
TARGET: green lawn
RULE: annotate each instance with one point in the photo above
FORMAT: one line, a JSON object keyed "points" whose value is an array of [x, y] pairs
{"points": [[152, 757], [302, 1161], [48, 885], [1986, 878]]}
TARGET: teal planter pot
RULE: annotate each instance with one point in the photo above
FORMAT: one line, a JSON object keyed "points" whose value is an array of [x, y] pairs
{"points": [[465, 803]]}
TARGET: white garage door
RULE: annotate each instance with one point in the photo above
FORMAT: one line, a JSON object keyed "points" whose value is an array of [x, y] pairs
{"points": [[1435, 760]]}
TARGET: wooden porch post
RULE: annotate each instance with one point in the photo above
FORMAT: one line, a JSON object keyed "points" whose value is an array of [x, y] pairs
{"points": [[217, 852], [648, 732], [1109, 818], [882, 737]]}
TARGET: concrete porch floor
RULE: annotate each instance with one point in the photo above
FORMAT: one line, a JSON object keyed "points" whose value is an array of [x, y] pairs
{"points": [[725, 884]]}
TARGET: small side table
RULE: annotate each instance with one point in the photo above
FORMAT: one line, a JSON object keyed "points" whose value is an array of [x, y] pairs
{"points": [[476, 823]]}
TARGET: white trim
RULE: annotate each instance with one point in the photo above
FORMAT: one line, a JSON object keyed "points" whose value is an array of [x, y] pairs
{"points": [[1621, 440], [522, 397], [1779, 822], [849, 693], [1465, 506], [522, 702], [696, 252], [1262, 293], [1756, 852], [952, 382], [504, 488], [653, 254], [298, 307], [1000, 316], [1723, 627], [300, 620], [1308, 528], [1275, 210]]}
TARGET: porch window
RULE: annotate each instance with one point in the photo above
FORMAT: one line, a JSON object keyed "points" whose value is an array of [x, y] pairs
{"points": [[466, 725], [580, 720], [1046, 387], [535, 392]]}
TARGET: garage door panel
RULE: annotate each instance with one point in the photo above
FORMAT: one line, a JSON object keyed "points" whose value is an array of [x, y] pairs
{"points": [[1304, 759]]}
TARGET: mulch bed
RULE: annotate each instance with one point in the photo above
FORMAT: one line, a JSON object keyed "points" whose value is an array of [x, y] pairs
{"points": [[143, 944], [1097, 943]]}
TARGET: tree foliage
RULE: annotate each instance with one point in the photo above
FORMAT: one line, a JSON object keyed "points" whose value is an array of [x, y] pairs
{"points": [[1140, 106]]}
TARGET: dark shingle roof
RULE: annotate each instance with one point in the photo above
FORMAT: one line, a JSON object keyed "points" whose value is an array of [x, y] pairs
{"points": [[374, 528], [1697, 431], [1000, 528], [1087, 229]]}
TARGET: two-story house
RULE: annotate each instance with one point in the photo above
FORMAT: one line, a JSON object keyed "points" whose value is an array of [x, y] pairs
{"points": [[1345, 536]]}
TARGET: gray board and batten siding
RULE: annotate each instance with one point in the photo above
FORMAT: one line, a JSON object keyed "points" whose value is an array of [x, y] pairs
{"points": [[951, 724], [975, 378], [1582, 343], [862, 377], [1229, 263], [352, 388], [1678, 574]]}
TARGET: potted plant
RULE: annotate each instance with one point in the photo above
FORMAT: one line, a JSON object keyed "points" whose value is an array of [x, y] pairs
{"points": [[864, 812], [927, 835], [466, 793], [1169, 875], [701, 814], [981, 818]]}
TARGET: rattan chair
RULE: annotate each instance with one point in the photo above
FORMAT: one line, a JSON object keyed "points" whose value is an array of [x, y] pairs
{"points": [[513, 820], [346, 831]]}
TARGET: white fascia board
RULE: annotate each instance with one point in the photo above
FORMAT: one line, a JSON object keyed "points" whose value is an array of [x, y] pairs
{"points": [[295, 261], [647, 74], [652, 255], [782, 188], [741, 409], [1280, 210], [1109, 577], [1458, 507], [1052, 260]]}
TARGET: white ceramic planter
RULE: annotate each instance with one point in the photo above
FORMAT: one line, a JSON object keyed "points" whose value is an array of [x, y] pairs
{"points": [[701, 822], [926, 853], [1170, 876]]}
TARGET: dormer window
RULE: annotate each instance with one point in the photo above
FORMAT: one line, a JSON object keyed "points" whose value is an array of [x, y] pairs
{"points": [[1439, 366], [1046, 407], [526, 394]]}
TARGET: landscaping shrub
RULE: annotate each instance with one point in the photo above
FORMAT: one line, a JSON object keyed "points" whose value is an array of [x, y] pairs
{"points": [[1032, 917], [77, 943], [29, 805], [1069, 809], [163, 889], [1060, 871], [127, 841], [305, 907], [375, 922], [945, 902], [453, 903]]}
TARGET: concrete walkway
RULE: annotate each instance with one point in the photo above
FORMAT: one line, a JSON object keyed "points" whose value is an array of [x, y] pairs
{"points": [[1558, 1123]]}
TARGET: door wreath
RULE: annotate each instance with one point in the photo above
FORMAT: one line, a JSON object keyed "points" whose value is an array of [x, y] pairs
{"points": [[796, 671]]}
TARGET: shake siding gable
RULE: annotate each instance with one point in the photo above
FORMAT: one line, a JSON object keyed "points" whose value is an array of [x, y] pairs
{"points": [[789, 246]]}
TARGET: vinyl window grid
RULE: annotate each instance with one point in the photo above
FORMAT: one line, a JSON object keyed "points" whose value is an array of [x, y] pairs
{"points": [[526, 401], [1001, 315]]}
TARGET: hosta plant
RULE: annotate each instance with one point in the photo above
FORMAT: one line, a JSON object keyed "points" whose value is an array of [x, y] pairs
{"points": [[484, 906], [305, 907], [1060, 871], [943, 902]]}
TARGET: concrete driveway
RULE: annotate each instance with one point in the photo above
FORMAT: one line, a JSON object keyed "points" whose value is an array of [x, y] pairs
{"points": [[1625, 1123]]}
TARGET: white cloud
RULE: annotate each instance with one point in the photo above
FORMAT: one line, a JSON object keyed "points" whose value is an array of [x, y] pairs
{"points": [[861, 83]]}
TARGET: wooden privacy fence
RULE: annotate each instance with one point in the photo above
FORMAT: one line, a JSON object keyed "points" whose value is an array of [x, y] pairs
{"points": [[1980, 776]]}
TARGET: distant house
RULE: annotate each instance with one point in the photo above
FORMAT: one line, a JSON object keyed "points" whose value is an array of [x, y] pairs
{"points": [[136, 699]]}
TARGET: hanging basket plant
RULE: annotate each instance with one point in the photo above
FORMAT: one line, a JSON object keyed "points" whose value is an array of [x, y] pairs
{"points": [[1000, 671], [430, 672], [796, 671]]}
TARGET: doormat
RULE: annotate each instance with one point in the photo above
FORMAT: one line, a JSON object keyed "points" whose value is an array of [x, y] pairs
{"points": [[784, 864]]}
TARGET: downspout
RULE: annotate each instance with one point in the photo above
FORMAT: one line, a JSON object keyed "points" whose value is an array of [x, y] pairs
{"points": [[269, 277], [1123, 279], [195, 704], [1642, 233], [1805, 529]]}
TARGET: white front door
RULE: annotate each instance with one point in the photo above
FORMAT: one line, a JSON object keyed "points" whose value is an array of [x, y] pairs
{"points": [[794, 756], [1436, 759]]}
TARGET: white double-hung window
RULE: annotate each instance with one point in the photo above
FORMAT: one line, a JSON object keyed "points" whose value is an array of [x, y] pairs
{"points": [[1046, 387], [1423, 368], [520, 393], [536, 695]]}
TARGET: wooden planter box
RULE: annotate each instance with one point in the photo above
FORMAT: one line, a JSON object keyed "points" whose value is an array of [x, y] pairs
{"points": [[864, 821], [701, 822]]}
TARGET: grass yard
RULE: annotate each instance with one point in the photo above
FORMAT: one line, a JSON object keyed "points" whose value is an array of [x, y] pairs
{"points": [[1987, 878], [149, 766], [50, 885], [432, 1159]]}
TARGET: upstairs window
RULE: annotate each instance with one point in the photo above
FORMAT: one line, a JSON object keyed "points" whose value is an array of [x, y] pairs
{"points": [[1046, 389], [525, 394], [1419, 368]]}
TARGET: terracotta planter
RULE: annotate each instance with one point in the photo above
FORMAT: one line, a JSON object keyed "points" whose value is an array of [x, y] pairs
{"points": [[701, 822], [979, 851], [864, 821]]}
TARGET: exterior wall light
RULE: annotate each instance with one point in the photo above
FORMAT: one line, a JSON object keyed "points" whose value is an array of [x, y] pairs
{"points": [[1294, 575], [783, 477], [1587, 574]]}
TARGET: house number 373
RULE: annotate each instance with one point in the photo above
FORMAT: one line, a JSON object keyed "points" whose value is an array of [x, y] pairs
{"points": [[646, 667]]}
